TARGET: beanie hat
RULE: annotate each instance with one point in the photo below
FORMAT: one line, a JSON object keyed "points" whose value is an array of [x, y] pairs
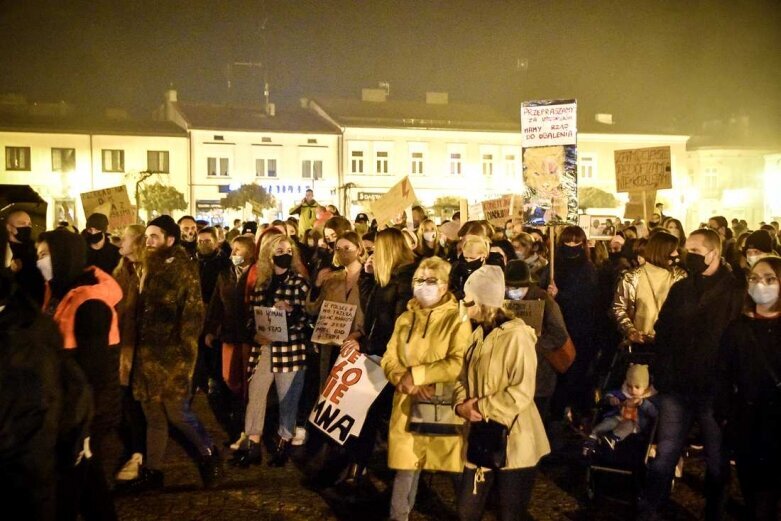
{"points": [[760, 240], [517, 274], [486, 285], [250, 227], [637, 374], [167, 224], [97, 221]]}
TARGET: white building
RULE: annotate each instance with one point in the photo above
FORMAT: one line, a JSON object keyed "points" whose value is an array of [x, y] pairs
{"points": [[61, 155], [285, 152]]}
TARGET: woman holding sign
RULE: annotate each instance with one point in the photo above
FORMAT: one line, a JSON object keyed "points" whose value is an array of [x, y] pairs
{"points": [[423, 361], [274, 360]]}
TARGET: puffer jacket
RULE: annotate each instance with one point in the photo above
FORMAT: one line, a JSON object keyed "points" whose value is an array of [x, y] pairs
{"points": [[382, 306]]}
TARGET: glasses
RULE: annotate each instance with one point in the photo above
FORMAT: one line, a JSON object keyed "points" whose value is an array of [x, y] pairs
{"points": [[468, 304], [769, 280], [432, 281]]}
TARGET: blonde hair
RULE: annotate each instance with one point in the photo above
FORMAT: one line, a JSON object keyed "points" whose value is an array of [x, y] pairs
{"points": [[265, 262], [139, 250], [476, 242], [439, 267], [422, 242], [390, 252]]}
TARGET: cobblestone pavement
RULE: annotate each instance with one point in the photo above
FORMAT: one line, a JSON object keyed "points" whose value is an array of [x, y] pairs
{"points": [[263, 493]]}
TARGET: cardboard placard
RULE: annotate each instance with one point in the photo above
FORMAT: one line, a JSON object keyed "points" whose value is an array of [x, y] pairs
{"points": [[334, 323], [353, 384], [634, 208], [271, 323], [548, 123], [115, 201], [497, 211], [474, 212], [392, 204], [643, 169], [599, 227], [530, 311]]}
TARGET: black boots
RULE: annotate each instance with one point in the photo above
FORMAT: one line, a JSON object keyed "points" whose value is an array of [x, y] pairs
{"points": [[251, 455], [281, 454], [147, 480], [210, 467]]}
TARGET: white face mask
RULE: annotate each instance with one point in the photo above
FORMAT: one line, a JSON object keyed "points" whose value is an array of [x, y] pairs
{"points": [[429, 236], [762, 293], [45, 266], [427, 294], [752, 259], [237, 260], [517, 293]]}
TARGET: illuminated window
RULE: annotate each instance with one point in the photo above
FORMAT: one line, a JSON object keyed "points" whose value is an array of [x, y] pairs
{"points": [[212, 164], [157, 161], [510, 165], [266, 168], [17, 158], [586, 167], [455, 163], [382, 162], [417, 162], [113, 160], [312, 169], [63, 159], [710, 179], [488, 164], [357, 162]]}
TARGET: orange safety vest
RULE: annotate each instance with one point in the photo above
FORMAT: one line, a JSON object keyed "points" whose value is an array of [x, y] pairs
{"points": [[106, 290]]}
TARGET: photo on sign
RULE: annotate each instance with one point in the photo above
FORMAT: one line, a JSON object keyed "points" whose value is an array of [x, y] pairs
{"points": [[601, 227], [551, 180]]}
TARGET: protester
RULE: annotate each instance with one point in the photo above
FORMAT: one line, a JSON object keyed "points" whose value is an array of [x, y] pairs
{"points": [[322, 260], [474, 254], [675, 227], [527, 250], [27, 275], [189, 229], [426, 348], [497, 384], [101, 252], [428, 237], [233, 232]]}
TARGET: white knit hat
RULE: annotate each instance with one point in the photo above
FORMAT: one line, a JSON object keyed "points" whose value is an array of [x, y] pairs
{"points": [[486, 286]]}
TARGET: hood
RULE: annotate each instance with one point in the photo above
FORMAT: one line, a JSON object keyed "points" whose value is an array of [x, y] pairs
{"points": [[107, 288], [447, 304]]}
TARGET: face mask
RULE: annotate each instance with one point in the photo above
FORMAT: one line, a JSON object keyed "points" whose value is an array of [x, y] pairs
{"points": [[94, 238], [675, 260], [762, 293], [474, 265], [695, 263], [653, 224], [283, 261], [45, 266], [427, 294], [516, 293], [346, 258], [24, 234], [752, 259], [519, 254], [429, 236], [572, 252], [330, 244], [237, 260]]}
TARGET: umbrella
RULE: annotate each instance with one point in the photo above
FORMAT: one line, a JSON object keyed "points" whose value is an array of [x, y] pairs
{"points": [[23, 197]]}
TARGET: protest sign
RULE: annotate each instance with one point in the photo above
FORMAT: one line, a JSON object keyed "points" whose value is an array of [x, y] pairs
{"points": [[497, 211], [334, 323], [643, 169], [530, 311], [115, 201], [474, 212], [548, 123], [353, 384], [392, 204], [599, 227], [640, 203], [271, 323]]}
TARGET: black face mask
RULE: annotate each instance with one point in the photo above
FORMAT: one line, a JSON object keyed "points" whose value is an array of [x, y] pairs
{"points": [[572, 252], [695, 263], [283, 261], [94, 238], [675, 261], [473, 265], [24, 234], [614, 255]]}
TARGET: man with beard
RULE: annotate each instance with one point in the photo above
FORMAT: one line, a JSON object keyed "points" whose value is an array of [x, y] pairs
{"points": [[170, 316], [26, 273], [101, 252], [189, 233]]}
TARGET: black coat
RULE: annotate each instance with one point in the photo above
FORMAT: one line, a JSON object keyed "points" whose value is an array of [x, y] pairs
{"points": [[105, 258], [382, 306], [227, 315], [209, 268], [29, 278], [688, 331]]}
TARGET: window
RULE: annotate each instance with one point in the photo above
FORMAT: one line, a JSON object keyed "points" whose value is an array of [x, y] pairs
{"points": [[17, 158], [356, 166], [455, 163], [510, 165], [710, 179], [213, 163], [157, 161], [113, 160], [417, 162], [586, 167], [382, 162], [266, 167], [265, 140], [63, 159], [312, 169], [488, 164]]}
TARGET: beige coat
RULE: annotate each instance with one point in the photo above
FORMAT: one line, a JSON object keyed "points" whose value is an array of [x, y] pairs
{"points": [[335, 290], [431, 342], [500, 371]]}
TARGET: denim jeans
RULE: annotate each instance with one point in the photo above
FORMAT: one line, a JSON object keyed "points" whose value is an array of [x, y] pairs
{"points": [[677, 413], [405, 489]]}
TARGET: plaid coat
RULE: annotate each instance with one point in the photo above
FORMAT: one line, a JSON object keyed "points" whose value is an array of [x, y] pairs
{"points": [[291, 355]]}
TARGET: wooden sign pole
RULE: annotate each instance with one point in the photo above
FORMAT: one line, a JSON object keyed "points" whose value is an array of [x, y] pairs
{"points": [[645, 209], [552, 235]]}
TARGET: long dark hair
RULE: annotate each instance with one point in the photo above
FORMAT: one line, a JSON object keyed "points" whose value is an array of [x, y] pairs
{"points": [[69, 259]]}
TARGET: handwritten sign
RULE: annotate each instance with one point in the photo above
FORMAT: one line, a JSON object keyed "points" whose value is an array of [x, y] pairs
{"points": [[497, 211], [271, 323], [392, 204], [548, 122], [642, 169], [114, 200], [530, 311], [334, 323], [353, 384]]}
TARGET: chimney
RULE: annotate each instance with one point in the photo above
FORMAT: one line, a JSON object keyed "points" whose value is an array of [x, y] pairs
{"points": [[170, 95], [271, 110], [303, 103], [436, 98], [606, 119], [170, 99], [373, 95]]}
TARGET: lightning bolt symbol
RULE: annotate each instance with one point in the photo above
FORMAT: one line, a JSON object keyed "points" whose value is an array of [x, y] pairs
{"points": [[404, 188]]}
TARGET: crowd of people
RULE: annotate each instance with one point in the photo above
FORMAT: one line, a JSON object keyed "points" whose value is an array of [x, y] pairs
{"points": [[105, 333]]}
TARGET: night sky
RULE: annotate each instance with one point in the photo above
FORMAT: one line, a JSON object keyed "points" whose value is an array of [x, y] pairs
{"points": [[665, 64]]}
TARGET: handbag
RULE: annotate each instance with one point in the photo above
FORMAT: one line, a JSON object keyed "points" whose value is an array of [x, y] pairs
{"points": [[487, 444], [436, 415], [561, 358]]}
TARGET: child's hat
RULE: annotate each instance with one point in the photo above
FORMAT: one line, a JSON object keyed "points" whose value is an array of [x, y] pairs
{"points": [[637, 374]]}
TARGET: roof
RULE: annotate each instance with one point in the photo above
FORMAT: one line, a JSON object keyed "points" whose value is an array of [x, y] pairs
{"points": [[83, 124], [416, 114], [251, 118]]}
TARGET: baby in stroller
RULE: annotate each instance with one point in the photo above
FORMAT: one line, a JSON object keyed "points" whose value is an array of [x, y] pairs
{"points": [[630, 411]]}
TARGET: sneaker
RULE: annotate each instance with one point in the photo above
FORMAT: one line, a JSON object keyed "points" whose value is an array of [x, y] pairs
{"points": [[240, 444], [299, 438], [130, 470]]}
